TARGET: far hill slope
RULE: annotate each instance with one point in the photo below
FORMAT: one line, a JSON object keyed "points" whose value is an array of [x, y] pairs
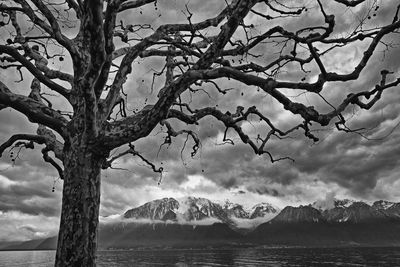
{"points": [[165, 234]]}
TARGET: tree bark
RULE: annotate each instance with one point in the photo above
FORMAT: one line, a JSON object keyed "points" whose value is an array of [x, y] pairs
{"points": [[77, 238]]}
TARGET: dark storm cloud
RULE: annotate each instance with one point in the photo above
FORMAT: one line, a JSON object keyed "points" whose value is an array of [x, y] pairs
{"points": [[264, 189], [331, 160], [223, 159], [131, 171], [230, 182], [30, 198], [209, 130], [26, 189], [349, 160], [115, 199], [27, 186], [28, 166], [26, 182], [133, 175], [361, 171]]}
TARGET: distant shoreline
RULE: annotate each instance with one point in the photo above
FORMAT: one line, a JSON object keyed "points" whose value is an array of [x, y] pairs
{"points": [[238, 246]]}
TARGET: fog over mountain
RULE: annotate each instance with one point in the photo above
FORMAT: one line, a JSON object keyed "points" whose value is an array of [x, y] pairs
{"points": [[199, 222], [192, 210], [201, 211]]}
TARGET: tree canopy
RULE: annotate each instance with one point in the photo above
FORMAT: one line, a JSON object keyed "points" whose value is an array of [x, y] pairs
{"points": [[245, 42]]}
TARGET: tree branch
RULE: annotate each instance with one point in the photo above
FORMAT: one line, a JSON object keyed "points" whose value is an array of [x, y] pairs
{"points": [[139, 125], [38, 139], [172, 133], [133, 4], [108, 164], [350, 3], [35, 71], [17, 137], [53, 29], [50, 160], [33, 110], [232, 121]]}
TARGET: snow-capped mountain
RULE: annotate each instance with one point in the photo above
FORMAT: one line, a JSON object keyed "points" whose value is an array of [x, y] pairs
{"points": [[394, 210], [235, 210], [341, 211], [195, 210], [192, 209], [184, 209], [383, 205], [336, 203], [343, 203], [159, 209], [263, 210], [353, 211], [260, 210], [391, 209], [247, 219]]}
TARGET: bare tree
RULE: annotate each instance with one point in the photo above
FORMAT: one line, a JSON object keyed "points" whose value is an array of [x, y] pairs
{"points": [[102, 45]]}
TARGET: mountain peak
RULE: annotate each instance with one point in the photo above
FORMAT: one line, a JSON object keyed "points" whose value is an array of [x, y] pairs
{"points": [[234, 210], [355, 212], [262, 210], [344, 203], [382, 204], [153, 210], [299, 214], [227, 204]]}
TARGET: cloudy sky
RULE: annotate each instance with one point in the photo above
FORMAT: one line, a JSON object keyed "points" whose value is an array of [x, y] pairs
{"points": [[344, 165]]}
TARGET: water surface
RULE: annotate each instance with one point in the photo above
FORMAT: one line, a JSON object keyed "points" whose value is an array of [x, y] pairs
{"points": [[301, 257]]}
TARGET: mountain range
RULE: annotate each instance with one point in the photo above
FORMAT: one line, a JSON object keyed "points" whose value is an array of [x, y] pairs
{"points": [[192, 210], [194, 221]]}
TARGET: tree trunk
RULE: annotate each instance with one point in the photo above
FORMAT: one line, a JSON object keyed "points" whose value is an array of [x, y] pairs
{"points": [[77, 238]]}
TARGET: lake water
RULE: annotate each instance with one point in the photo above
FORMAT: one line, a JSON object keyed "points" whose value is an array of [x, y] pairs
{"points": [[376, 257]]}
